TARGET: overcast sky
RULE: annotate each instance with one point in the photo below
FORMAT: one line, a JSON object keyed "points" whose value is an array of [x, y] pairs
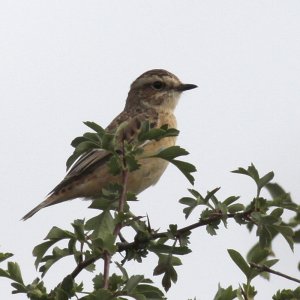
{"points": [[64, 62]]}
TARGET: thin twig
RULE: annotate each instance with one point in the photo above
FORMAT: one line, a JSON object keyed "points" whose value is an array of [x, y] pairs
{"points": [[122, 200], [122, 239], [202, 222], [244, 293], [83, 265], [264, 268]]}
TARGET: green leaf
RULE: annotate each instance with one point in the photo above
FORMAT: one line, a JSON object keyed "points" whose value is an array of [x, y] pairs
{"points": [[49, 260], [15, 272], [101, 225], [114, 164], [95, 127], [103, 294], [148, 133], [211, 229], [271, 262], [57, 233], [265, 180], [240, 262], [171, 153], [40, 250], [108, 141], [166, 281], [153, 134], [68, 284], [288, 233], [98, 281], [4, 273], [19, 288], [211, 194], [234, 208], [188, 201], [159, 248], [257, 254], [265, 236], [268, 220], [251, 171], [287, 294], [78, 140], [132, 282], [150, 292], [230, 200], [85, 147], [93, 137], [192, 204], [164, 263], [115, 281], [277, 212], [78, 226], [132, 163], [225, 294], [275, 190], [297, 236], [4, 256], [186, 169], [195, 193]]}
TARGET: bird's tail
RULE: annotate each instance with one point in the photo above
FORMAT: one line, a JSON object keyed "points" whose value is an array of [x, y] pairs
{"points": [[51, 200]]}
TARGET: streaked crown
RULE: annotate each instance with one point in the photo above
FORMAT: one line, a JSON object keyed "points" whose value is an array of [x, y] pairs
{"points": [[158, 89]]}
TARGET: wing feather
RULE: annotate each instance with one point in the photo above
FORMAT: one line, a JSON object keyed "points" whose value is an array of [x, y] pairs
{"points": [[127, 128]]}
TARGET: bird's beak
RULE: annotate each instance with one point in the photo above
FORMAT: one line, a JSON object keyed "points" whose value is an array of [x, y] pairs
{"points": [[185, 87]]}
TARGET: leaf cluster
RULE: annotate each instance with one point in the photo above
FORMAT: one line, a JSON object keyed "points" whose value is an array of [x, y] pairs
{"points": [[102, 238]]}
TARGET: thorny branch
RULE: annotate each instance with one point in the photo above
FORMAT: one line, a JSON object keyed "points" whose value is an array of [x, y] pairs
{"points": [[124, 246], [263, 268], [136, 244], [183, 230]]}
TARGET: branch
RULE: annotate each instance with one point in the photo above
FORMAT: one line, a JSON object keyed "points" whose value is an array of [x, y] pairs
{"points": [[83, 265], [136, 244], [263, 268], [122, 200], [179, 232]]}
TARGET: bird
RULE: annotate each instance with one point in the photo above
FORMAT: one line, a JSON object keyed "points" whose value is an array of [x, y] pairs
{"points": [[152, 98]]}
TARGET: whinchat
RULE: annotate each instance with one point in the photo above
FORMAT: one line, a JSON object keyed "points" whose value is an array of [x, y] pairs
{"points": [[152, 98]]}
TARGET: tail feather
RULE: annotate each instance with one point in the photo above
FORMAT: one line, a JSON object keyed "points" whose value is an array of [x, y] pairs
{"points": [[51, 200]]}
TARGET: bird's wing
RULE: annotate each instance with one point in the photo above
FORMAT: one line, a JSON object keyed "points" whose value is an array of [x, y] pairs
{"points": [[128, 127], [83, 166]]}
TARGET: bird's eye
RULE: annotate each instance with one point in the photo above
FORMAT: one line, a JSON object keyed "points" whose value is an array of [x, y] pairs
{"points": [[158, 85]]}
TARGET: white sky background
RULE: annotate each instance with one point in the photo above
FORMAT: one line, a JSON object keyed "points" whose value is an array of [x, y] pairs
{"points": [[64, 62]]}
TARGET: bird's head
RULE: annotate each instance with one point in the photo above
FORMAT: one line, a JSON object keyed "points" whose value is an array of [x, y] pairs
{"points": [[157, 89]]}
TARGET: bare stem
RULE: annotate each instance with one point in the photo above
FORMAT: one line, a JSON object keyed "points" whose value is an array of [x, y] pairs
{"points": [[122, 200], [106, 258], [118, 227], [263, 268]]}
